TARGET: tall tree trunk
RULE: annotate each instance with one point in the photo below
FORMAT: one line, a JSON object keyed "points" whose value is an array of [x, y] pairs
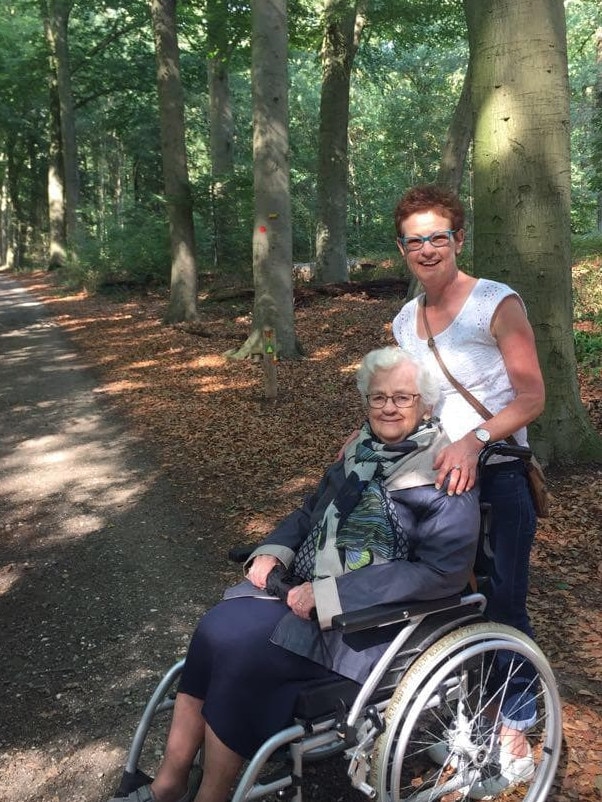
{"points": [[458, 139], [58, 24], [221, 132], [272, 234], [597, 129], [57, 244], [343, 24], [5, 252], [57, 224], [522, 171], [178, 197]]}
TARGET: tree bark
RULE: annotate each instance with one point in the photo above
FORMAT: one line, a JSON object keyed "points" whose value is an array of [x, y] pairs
{"points": [[458, 139], [597, 129], [178, 197], [343, 24], [58, 33], [221, 133], [520, 96], [272, 234]]}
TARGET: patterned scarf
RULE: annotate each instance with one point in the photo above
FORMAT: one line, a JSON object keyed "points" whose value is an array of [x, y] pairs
{"points": [[361, 517]]}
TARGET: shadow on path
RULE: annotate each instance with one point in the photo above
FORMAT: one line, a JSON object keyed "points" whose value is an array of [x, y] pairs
{"points": [[101, 577]]}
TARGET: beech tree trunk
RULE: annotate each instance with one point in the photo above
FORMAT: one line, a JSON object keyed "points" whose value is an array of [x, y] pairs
{"points": [[597, 128], [520, 94], [221, 132], [272, 234], [178, 197], [343, 24], [458, 139], [58, 37]]}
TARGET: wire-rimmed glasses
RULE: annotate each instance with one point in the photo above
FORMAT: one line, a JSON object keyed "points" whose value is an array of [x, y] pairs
{"points": [[401, 400]]}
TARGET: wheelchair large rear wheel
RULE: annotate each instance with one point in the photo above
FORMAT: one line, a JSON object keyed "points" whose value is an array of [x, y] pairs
{"points": [[441, 740]]}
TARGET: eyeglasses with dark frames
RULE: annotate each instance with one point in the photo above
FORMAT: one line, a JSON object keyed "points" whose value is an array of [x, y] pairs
{"points": [[438, 239], [401, 400]]}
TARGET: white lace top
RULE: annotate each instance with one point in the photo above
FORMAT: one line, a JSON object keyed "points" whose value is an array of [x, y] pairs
{"points": [[470, 354]]}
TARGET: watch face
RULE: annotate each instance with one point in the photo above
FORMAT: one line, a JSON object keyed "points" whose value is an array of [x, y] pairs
{"points": [[483, 435]]}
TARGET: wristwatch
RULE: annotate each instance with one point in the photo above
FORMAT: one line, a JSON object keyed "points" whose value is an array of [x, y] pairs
{"points": [[483, 435]]}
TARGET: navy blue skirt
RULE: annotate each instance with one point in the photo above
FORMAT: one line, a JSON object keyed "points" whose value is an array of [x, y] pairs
{"points": [[248, 685]]}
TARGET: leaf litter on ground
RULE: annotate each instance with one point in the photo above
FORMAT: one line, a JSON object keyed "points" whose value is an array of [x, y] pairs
{"points": [[223, 445]]}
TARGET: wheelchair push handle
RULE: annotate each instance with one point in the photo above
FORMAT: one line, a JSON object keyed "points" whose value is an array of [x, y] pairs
{"points": [[504, 449], [279, 581]]}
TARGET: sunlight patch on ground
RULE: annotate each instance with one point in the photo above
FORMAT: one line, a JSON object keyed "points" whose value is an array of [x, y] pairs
{"points": [[351, 369], [214, 384], [123, 386], [32, 773], [320, 354], [11, 573], [210, 361], [145, 363], [194, 364]]}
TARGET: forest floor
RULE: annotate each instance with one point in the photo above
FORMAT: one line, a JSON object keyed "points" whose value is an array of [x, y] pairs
{"points": [[249, 461]]}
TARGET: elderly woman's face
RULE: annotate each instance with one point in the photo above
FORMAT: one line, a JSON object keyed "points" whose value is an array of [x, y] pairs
{"points": [[391, 423]]}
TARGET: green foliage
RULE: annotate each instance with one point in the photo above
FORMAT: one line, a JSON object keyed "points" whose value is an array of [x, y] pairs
{"points": [[587, 269], [584, 17], [136, 252], [587, 299], [407, 77], [588, 350]]}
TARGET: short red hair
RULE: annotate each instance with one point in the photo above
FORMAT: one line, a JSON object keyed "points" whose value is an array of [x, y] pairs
{"points": [[430, 197]]}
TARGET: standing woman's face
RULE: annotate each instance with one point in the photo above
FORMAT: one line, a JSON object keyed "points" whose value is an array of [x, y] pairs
{"points": [[429, 262], [390, 422]]}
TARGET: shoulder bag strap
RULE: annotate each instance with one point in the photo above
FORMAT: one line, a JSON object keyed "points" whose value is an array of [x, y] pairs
{"points": [[466, 394]]}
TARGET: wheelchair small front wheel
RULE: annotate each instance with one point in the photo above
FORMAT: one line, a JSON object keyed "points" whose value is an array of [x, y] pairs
{"points": [[441, 740]]}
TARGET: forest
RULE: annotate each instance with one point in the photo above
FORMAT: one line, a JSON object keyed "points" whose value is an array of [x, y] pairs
{"points": [[165, 143]]}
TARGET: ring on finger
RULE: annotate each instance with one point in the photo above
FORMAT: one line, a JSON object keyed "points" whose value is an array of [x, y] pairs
{"points": [[457, 468]]}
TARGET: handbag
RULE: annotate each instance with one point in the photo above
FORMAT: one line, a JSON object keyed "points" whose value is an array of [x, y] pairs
{"points": [[540, 495]]}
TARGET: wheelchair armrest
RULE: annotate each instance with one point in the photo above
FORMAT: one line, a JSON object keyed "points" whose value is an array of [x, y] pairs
{"points": [[383, 615], [240, 554]]}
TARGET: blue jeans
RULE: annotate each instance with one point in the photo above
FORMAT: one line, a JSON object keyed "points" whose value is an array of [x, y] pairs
{"points": [[505, 487]]}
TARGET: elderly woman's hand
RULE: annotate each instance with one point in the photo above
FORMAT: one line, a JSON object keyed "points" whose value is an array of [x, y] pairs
{"points": [[260, 568], [301, 600], [457, 462]]}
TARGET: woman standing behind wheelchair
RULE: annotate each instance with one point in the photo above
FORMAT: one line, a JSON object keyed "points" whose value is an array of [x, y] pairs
{"points": [[486, 343], [376, 530]]}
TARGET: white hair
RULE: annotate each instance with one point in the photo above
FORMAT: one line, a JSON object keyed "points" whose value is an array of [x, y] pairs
{"points": [[389, 357]]}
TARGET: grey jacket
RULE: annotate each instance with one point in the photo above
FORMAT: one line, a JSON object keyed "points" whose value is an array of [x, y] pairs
{"points": [[442, 532]]}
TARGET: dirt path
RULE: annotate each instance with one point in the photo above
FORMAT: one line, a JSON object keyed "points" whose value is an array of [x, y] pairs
{"points": [[99, 575]]}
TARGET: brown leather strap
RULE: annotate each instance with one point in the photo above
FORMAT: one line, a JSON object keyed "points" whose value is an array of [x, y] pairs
{"points": [[466, 394]]}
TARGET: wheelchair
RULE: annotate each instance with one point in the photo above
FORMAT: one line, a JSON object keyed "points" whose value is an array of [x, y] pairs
{"points": [[424, 725]]}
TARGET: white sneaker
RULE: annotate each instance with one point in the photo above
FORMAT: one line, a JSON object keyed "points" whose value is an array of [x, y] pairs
{"points": [[513, 771]]}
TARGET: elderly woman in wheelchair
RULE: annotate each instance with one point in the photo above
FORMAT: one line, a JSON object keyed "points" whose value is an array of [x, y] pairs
{"points": [[430, 682]]}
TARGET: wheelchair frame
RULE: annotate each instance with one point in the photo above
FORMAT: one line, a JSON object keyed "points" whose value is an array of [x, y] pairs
{"points": [[423, 726]]}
